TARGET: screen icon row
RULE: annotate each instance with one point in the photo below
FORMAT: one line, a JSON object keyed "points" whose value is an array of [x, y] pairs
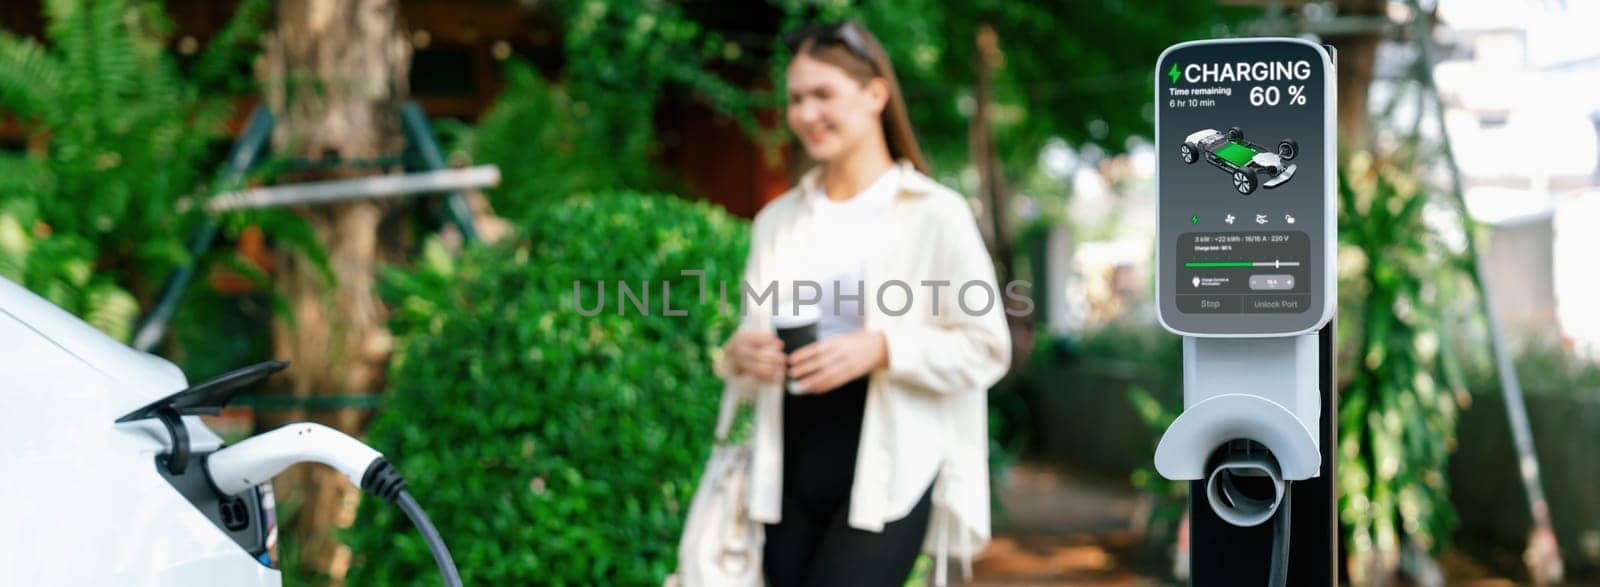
{"points": [[1260, 219]]}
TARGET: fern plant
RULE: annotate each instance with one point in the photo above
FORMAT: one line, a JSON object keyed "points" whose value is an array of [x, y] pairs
{"points": [[116, 133]]}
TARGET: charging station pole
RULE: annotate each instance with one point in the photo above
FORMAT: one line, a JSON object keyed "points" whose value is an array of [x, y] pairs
{"points": [[1246, 249], [1222, 554]]}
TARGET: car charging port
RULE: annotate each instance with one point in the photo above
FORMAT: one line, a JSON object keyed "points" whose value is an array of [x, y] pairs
{"points": [[245, 517], [235, 516]]}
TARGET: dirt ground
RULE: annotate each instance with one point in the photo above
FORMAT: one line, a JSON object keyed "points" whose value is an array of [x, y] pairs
{"points": [[1058, 529]]}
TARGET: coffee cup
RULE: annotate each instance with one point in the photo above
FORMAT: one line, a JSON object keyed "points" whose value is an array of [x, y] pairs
{"points": [[796, 327]]}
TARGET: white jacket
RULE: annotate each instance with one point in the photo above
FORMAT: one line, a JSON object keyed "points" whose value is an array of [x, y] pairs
{"points": [[927, 413]]}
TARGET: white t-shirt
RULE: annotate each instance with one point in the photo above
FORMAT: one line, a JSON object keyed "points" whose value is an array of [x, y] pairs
{"points": [[846, 233]]}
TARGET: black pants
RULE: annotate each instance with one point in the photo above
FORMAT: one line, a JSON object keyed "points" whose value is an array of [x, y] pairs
{"points": [[814, 544]]}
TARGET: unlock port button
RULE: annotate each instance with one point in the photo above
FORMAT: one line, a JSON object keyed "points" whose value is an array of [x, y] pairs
{"points": [[1277, 304]]}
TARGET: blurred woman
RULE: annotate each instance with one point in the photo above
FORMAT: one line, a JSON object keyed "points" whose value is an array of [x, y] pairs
{"points": [[880, 450]]}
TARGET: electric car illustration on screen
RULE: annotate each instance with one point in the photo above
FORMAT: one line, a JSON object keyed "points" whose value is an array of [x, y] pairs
{"points": [[1251, 165]]}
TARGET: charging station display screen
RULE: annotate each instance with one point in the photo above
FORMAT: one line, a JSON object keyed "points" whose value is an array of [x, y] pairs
{"points": [[1244, 155]]}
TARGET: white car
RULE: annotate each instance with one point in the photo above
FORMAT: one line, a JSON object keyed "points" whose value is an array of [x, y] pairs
{"points": [[108, 477], [84, 499], [1250, 165]]}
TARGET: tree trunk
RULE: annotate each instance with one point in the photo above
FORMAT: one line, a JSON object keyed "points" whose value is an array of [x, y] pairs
{"points": [[334, 73], [992, 188], [1358, 54]]}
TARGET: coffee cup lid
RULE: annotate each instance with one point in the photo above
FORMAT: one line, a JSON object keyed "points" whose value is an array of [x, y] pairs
{"points": [[796, 315]]}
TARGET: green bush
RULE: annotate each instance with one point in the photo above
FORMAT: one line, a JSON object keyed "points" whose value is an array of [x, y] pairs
{"points": [[1544, 367], [549, 447]]}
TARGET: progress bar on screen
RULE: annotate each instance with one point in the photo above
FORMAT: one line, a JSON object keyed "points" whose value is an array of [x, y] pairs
{"points": [[1210, 264]]}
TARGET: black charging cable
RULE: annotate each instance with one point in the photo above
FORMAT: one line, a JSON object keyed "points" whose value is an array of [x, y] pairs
{"points": [[1278, 575], [382, 480], [1228, 493]]}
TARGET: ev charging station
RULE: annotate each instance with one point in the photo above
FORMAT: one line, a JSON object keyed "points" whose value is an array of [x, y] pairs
{"points": [[1245, 255]]}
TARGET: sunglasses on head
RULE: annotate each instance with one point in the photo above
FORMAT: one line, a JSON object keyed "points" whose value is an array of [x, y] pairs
{"points": [[836, 33]]}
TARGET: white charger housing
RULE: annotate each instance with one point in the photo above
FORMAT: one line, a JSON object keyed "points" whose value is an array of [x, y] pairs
{"points": [[1262, 390]]}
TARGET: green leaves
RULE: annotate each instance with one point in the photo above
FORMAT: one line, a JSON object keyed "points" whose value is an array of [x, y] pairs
{"points": [[550, 144], [1396, 430], [1084, 74], [60, 268], [595, 128], [29, 77], [554, 448], [116, 136]]}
